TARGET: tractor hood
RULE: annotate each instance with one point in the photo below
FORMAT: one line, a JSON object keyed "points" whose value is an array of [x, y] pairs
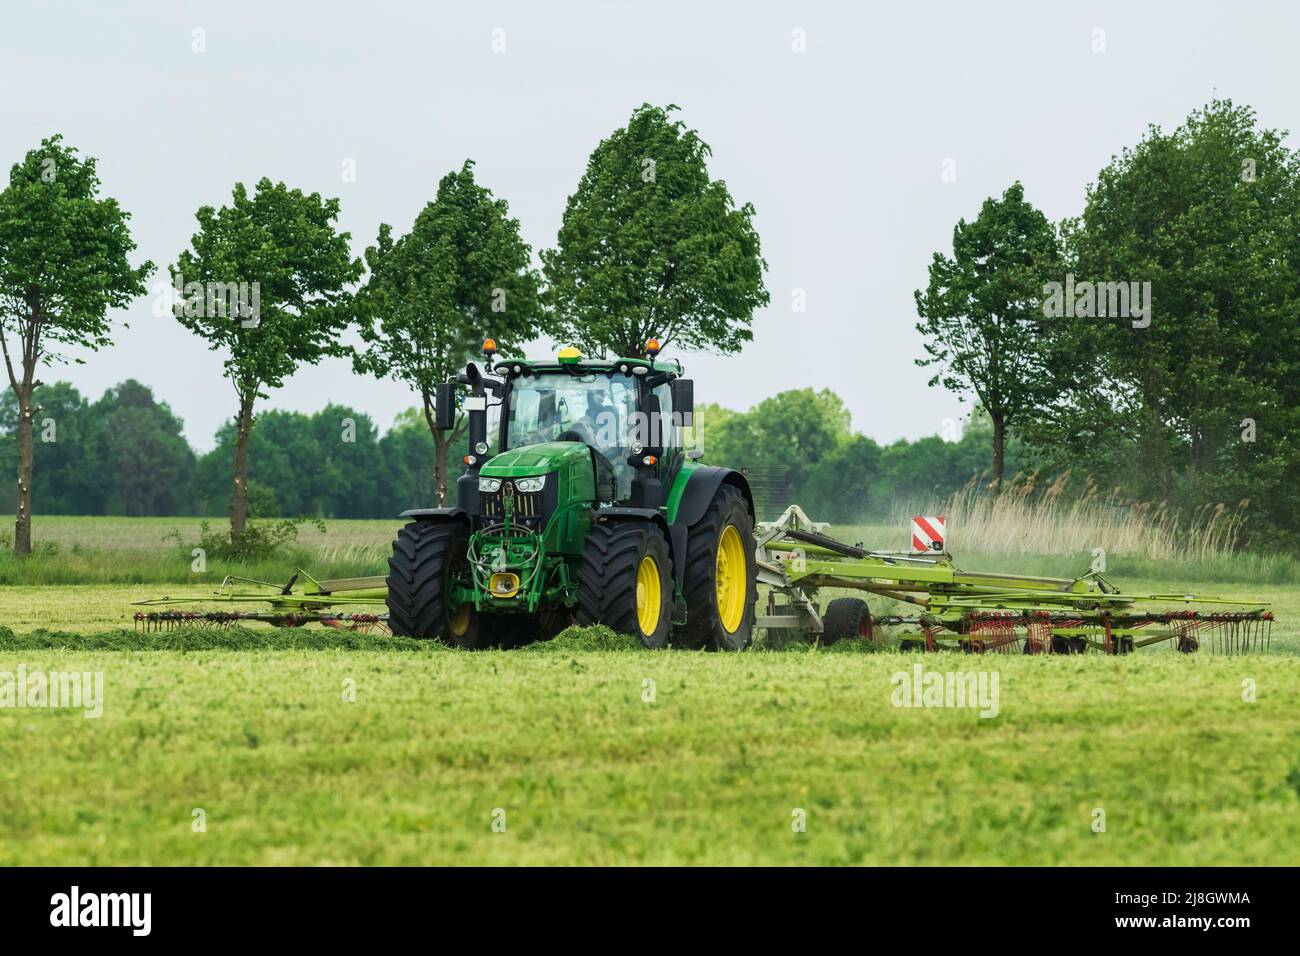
{"points": [[535, 459]]}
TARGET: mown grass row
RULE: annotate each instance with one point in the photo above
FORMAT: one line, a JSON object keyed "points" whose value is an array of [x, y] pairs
{"points": [[572, 640]]}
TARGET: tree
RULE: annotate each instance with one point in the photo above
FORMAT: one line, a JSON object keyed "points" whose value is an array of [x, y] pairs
{"points": [[409, 463], [146, 464], [327, 464], [982, 313], [1199, 401], [461, 274], [63, 264], [790, 432], [651, 246], [265, 278], [845, 485]]}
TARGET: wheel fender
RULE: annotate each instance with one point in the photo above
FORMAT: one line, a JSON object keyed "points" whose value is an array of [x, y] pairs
{"points": [[437, 514], [700, 489]]}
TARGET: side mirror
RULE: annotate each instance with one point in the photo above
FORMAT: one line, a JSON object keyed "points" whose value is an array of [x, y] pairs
{"points": [[444, 406], [683, 392]]}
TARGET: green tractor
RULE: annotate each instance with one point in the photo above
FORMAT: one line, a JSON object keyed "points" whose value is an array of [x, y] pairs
{"points": [[578, 502]]}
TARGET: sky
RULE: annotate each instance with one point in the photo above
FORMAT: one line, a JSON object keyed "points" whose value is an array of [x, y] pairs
{"points": [[860, 132]]}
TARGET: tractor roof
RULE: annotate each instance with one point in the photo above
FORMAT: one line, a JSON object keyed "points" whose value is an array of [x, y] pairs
{"points": [[516, 366]]}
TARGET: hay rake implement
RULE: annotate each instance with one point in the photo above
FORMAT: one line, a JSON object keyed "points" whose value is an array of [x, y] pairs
{"points": [[303, 600], [983, 612]]}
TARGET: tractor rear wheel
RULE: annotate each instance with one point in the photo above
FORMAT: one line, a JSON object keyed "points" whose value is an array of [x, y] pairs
{"points": [[846, 618], [721, 580], [428, 559], [626, 582]]}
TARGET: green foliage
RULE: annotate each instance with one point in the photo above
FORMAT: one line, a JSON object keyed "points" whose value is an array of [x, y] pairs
{"points": [[845, 483], [982, 313], [651, 246], [1209, 215], [142, 452], [833, 473], [461, 274], [124, 454], [285, 241], [794, 429], [303, 464], [71, 474], [64, 257], [300, 464]]}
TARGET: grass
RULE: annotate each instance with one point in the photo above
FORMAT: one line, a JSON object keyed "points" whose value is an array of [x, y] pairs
{"points": [[111, 550], [587, 770], [250, 725]]}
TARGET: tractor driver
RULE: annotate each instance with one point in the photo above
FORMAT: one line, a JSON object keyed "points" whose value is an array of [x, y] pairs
{"points": [[598, 425]]}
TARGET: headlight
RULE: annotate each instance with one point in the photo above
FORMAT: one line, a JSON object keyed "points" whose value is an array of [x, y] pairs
{"points": [[490, 485], [530, 485]]}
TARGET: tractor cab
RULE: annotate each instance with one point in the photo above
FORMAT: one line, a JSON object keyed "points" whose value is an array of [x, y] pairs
{"points": [[628, 413]]}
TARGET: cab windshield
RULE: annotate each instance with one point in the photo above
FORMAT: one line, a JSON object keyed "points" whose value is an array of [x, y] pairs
{"points": [[597, 408]]}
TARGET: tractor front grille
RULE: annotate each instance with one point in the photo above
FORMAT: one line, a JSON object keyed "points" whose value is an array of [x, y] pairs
{"points": [[492, 505], [531, 508]]}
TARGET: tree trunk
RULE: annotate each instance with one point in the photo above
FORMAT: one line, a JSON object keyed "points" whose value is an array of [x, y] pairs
{"points": [[999, 449], [23, 522], [239, 503], [441, 446]]}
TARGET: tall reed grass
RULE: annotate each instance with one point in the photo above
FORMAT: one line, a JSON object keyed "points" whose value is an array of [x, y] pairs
{"points": [[1024, 519]]}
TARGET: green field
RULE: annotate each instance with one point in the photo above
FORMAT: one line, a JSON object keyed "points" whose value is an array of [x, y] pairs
{"points": [[252, 728], [712, 771]]}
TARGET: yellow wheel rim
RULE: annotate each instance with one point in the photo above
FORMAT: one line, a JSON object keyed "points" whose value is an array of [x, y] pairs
{"points": [[649, 595], [459, 621], [731, 582]]}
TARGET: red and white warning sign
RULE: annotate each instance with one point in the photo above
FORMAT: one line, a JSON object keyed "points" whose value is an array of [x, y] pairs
{"points": [[928, 532]]}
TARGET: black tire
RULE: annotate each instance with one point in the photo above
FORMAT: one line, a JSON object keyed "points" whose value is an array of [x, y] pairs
{"points": [[846, 618], [1069, 645], [608, 579], [426, 556], [704, 626]]}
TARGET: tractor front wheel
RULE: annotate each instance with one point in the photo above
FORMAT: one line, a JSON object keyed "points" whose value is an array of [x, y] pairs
{"points": [[721, 579], [428, 559], [626, 581]]}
